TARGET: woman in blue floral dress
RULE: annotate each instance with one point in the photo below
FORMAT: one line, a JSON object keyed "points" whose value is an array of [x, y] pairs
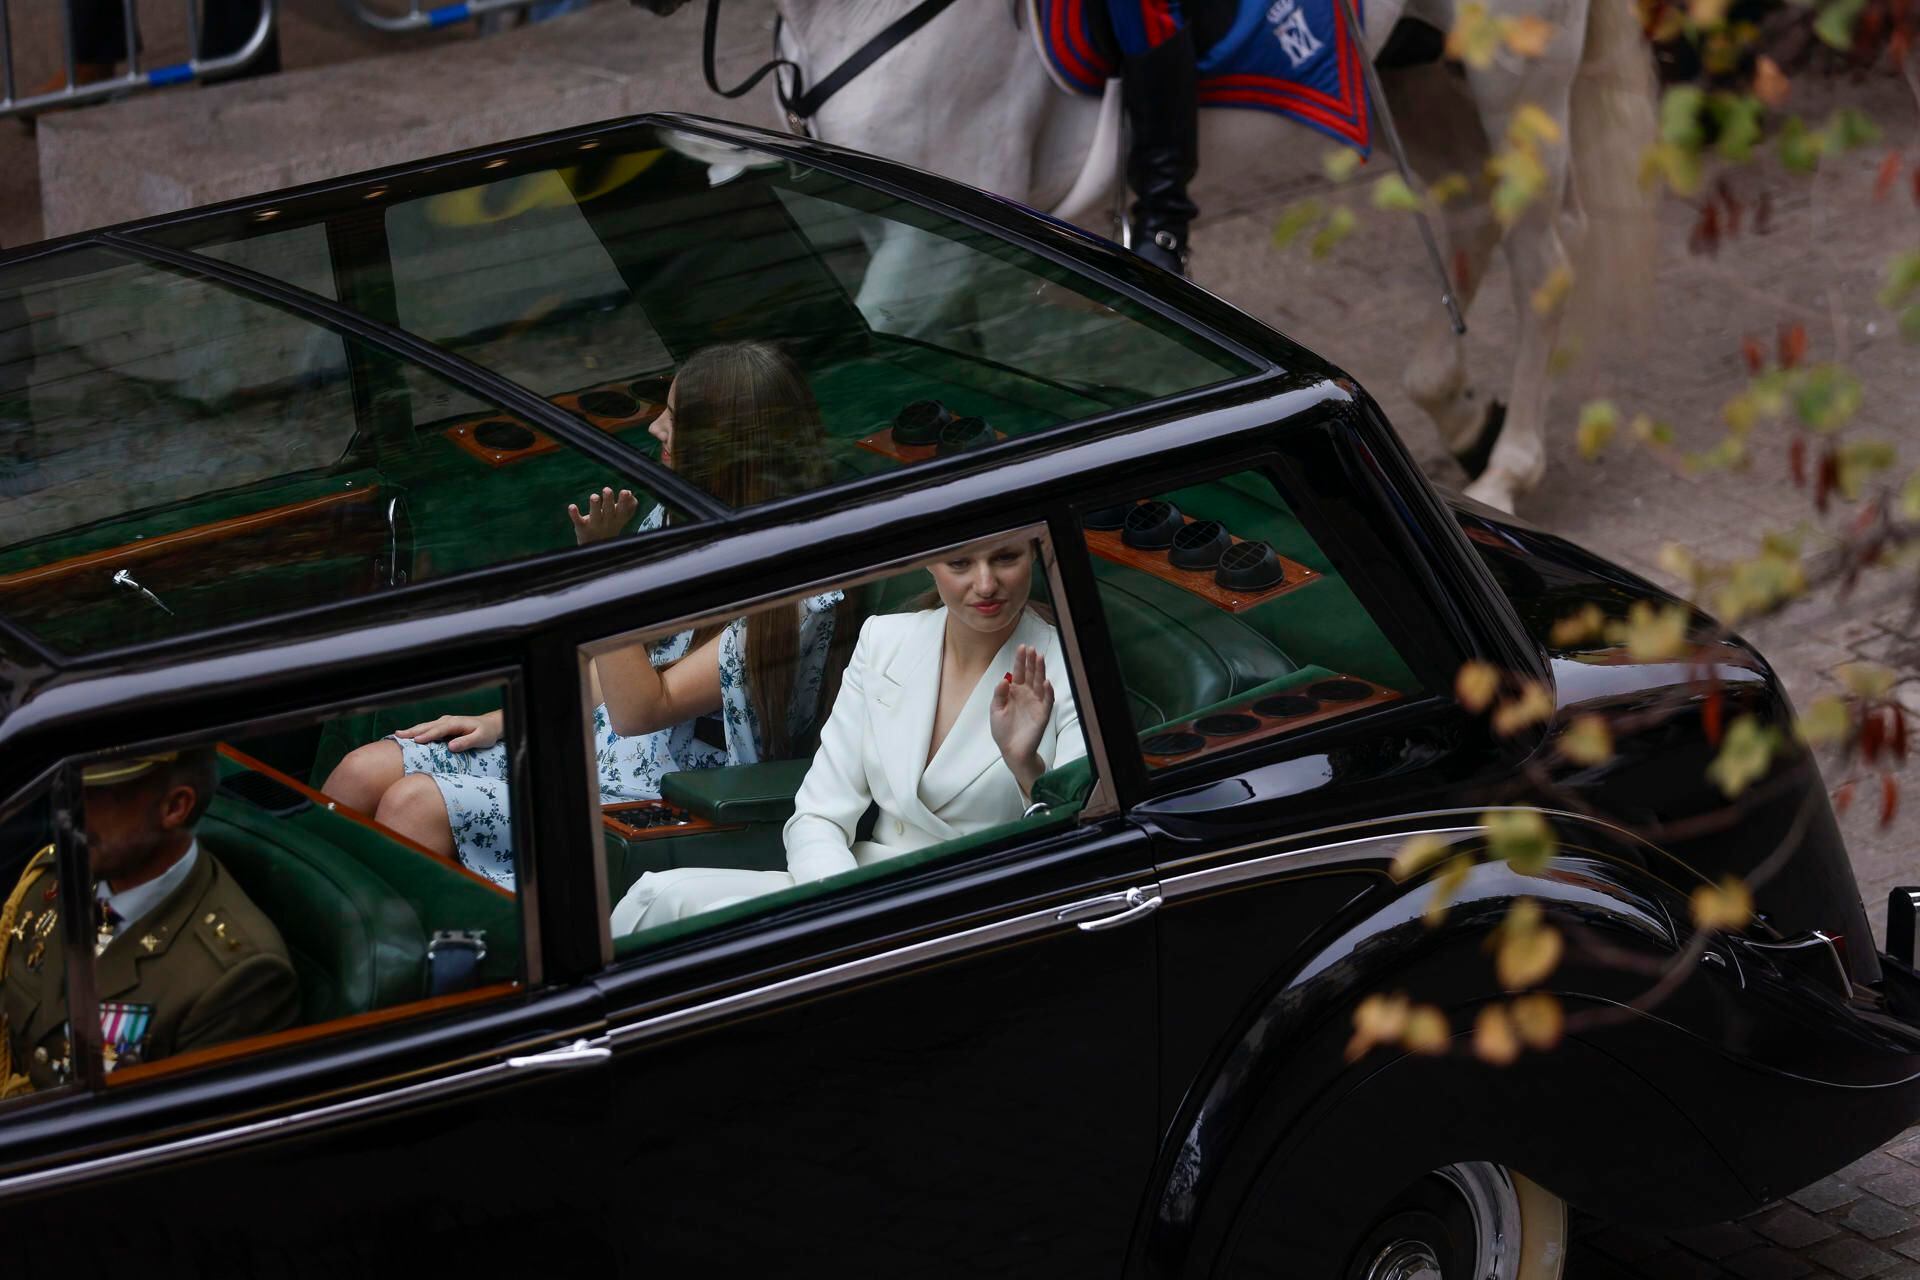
{"points": [[742, 423]]}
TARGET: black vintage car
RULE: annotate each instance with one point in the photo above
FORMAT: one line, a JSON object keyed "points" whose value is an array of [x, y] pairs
{"points": [[283, 476]]}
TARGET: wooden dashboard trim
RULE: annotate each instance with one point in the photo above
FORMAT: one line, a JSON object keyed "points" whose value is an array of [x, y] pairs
{"points": [[694, 825], [1269, 726], [1109, 545], [146, 548], [882, 443]]}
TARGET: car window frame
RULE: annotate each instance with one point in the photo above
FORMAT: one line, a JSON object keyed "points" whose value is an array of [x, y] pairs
{"points": [[1102, 801], [250, 1052], [1142, 785]]}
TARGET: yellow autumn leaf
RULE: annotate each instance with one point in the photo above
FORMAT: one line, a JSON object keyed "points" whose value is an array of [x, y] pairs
{"points": [[1527, 35], [1445, 885], [1533, 705], [1417, 854], [1392, 195], [1746, 753], [1598, 421], [1428, 1030], [1475, 685], [1770, 83], [1553, 291], [1656, 634], [1494, 1039], [1865, 679], [1706, 14], [1583, 626], [1587, 741], [1522, 838], [1531, 124], [1448, 187], [1379, 1019], [1528, 950], [1727, 905], [1539, 1019], [1678, 561], [1825, 720], [1475, 37]]}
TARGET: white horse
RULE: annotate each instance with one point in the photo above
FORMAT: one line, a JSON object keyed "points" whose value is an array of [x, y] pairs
{"points": [[968, 97]]}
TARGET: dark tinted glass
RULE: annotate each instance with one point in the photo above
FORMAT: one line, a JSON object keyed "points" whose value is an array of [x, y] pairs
{"points": [[176, 456], [606, 266]]}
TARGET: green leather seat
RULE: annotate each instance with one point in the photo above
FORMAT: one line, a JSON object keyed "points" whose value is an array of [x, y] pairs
{"points": [[1178, 652], [355, 943]]}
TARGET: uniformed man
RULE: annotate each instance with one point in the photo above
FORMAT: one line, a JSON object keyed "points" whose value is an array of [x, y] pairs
{"points": [[1159, 92], [182, 958]]}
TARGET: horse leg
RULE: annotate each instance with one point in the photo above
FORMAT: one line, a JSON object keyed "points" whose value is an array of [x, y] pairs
{"points": [[1443, 134], [1537, 247]]}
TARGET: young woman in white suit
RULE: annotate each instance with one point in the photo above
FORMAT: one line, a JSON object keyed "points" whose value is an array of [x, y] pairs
{"points": [[945, 719]]}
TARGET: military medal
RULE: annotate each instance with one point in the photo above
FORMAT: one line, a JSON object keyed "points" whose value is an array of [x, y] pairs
{"points": [[123, 1032]]}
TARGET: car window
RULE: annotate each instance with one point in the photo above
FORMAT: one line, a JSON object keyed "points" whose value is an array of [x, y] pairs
{"points": [[597, 272], [32, 946], [176, 456], [763, 758], [256, 890], [1230, 623]]}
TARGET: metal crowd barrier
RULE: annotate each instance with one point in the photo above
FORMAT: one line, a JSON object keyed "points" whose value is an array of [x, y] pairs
{"points": [[420, 18], [14, 102]]}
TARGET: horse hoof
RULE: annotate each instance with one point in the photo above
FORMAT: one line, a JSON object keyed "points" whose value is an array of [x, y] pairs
{"points": [[1473, 458], [1496, 489]]}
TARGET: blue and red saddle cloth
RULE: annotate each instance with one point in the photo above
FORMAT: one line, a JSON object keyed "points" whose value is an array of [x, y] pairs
{"points": [[1295, 58]]}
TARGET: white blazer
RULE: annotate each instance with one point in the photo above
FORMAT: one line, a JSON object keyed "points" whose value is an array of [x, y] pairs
{"points": [[874, 749]]}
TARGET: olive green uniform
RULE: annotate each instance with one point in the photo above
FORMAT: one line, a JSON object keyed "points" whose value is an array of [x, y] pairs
{"points": [[203, 966]]}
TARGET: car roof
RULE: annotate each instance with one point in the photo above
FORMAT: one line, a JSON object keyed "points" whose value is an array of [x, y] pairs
{"points": [[1274, 365]]}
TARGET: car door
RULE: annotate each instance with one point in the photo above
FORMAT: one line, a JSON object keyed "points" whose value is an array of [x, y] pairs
{"points": [[414, 1092], [939, 1063]]}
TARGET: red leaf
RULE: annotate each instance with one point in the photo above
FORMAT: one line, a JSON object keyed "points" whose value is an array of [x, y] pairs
{"points": [[1873, 735], [1843, 797], [1828, 477], [1755, 356], [1711, 713], [1731, 204], [1916, 184], [1706, 231], [1889, 170], [1899, 735], [1889, 799], [1793, 344], [1461, 264], [1900, 46], [1763, 216], [1797, 461]]}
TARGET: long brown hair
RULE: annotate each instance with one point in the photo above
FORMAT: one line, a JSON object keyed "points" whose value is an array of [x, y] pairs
{"points": [[747, 429]]}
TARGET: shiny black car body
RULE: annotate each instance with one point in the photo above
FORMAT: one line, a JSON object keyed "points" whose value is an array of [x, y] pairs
{"points": [[947, 1072]]}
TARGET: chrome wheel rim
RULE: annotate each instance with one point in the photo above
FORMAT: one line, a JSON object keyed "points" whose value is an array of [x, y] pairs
{"points": [[1487, 1195]]}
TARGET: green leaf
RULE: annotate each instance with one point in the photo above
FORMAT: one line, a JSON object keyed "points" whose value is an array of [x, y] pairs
{"points": [[1339, 226], [1680, 109], [1910, 323], [1393, 194], [1340, 164], [1910, 498], [1598, 421], [1738, 117], [1835, 23], [1865, 679], [1847, 128], [1522, 838], [1860, 461], [1799, 147], [1295, 219], [1903, 278], [1745, 756], [1827, 397]]}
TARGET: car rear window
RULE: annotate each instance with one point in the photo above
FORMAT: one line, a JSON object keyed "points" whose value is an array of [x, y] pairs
{"points": [[619, 259], [175, 456]]}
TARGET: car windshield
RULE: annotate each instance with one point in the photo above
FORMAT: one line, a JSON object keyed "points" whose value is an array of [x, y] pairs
{"points": [[826, 330], [175, 456]]}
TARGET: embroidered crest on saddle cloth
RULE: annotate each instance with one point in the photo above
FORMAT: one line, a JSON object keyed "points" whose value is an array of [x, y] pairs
{"points": [[1291, 57]]}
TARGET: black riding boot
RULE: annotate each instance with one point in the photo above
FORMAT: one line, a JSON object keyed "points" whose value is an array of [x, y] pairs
{"points": [[1158, 91]]}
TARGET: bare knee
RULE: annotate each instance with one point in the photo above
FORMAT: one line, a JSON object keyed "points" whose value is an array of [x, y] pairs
{"points": [[361, 780], [414, 807]]}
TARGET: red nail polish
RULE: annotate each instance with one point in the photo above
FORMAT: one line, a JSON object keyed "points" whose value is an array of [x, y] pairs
{"points": [[1008, 677]]}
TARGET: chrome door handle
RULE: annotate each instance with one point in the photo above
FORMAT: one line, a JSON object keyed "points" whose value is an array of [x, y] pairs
{"points": [[581, 1053], [1132, 905]]}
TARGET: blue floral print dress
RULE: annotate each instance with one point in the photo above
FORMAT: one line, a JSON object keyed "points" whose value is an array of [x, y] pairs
{"points": [[474, 784]]}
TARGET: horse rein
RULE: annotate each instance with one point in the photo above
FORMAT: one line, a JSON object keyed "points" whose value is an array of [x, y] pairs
{"points": [[802, 104]]}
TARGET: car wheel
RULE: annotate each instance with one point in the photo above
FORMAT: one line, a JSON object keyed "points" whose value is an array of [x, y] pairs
{"points": [[1471, 1221]]}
